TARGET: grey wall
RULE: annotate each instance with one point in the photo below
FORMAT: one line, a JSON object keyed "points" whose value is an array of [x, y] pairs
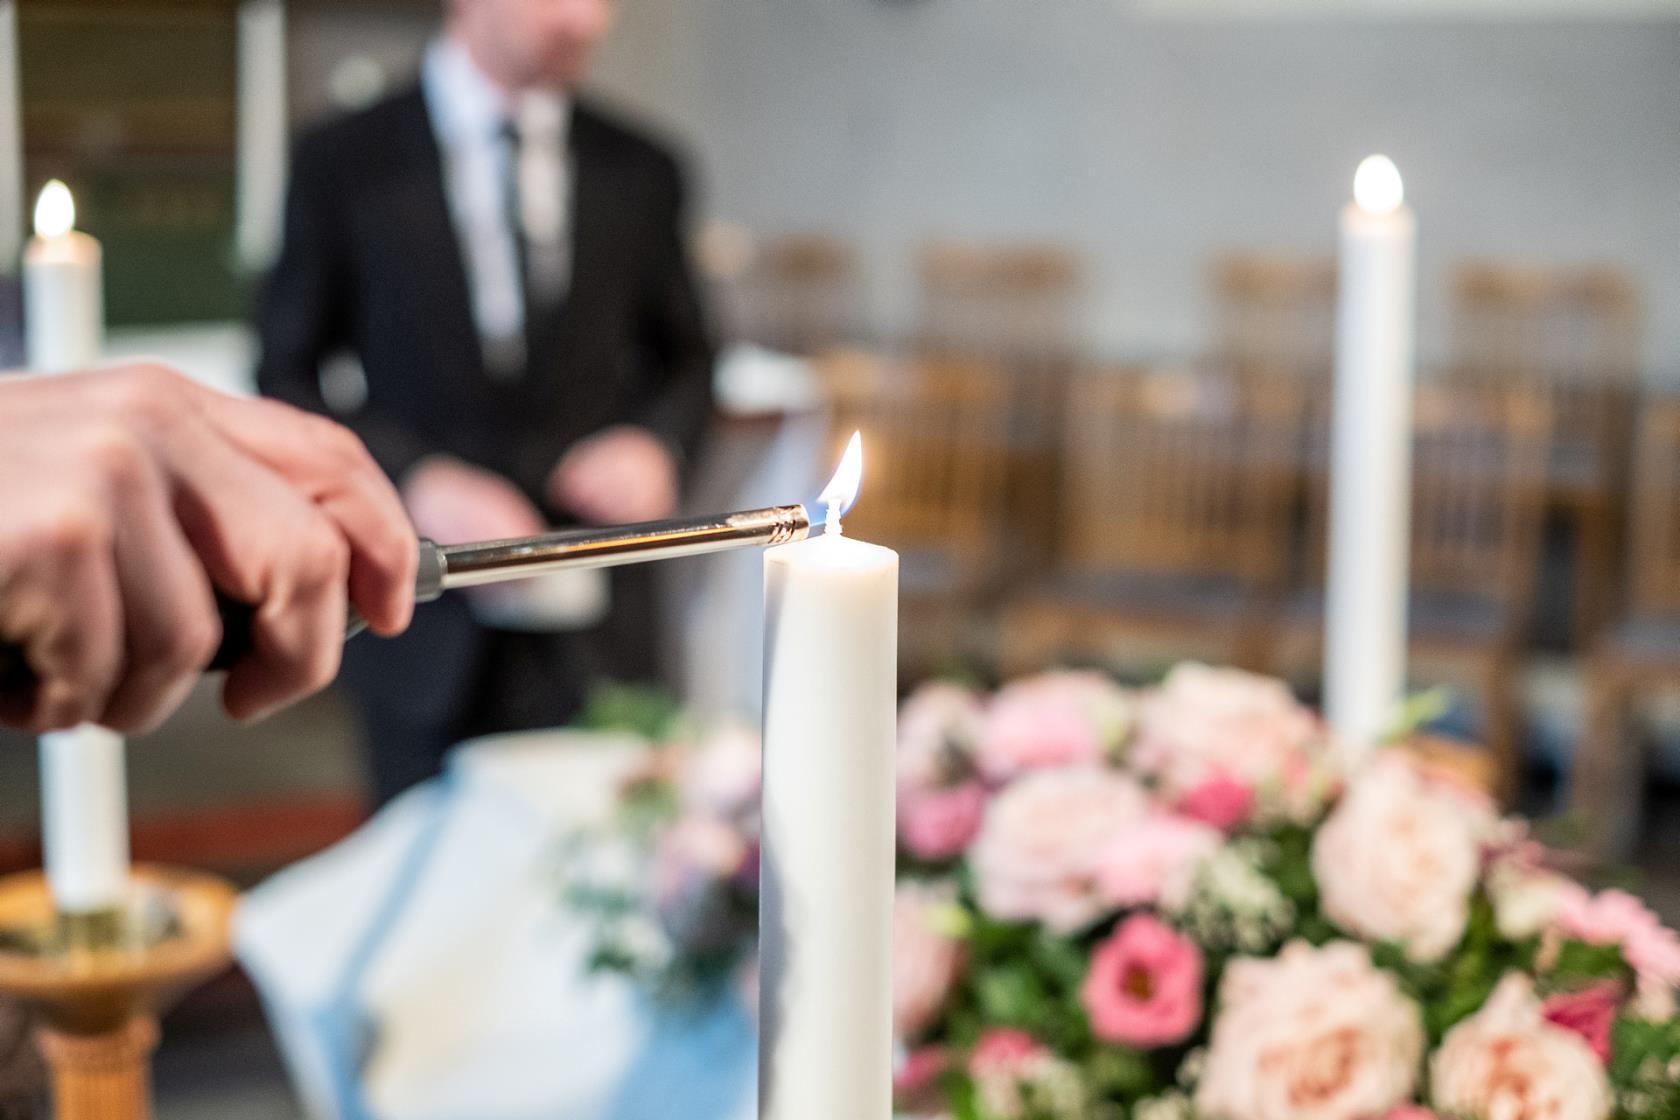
{"points": [[1152, 143]]}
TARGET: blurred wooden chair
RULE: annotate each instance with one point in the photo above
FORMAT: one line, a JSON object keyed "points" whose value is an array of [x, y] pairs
{"points": [[1569, 337], [1478, 491], [1640, 650], [1275, 313], [798, 293], [935, 457], [1174, 527], [1017, 307]]}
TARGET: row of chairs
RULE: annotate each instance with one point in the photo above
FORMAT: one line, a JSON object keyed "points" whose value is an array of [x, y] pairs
{"points": [[1186, 508], [1567, 336]]}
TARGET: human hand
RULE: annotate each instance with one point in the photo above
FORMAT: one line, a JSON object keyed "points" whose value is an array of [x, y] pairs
{"points": [[617, 475], [131, 493], [453, 502]]}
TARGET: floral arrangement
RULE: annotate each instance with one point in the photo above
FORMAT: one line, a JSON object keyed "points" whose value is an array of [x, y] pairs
{"points": [[1188, 903]]}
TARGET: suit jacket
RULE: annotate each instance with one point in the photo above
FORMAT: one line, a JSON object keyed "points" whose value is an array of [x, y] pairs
{"points": [[370, 264]]}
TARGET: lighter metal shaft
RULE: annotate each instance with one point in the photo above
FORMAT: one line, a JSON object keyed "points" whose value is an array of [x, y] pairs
{"points": [[470, 565]]}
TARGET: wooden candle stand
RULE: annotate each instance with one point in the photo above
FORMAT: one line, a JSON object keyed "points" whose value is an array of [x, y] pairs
{"points": [[99, 1008]]}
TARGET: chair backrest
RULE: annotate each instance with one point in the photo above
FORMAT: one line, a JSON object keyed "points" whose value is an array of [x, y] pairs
{"points": [[935, 454], [1276, 312], [800, 293], [1654, 545], [1569, 335], [1478, 492], [1180, 472], [1011, 304]]}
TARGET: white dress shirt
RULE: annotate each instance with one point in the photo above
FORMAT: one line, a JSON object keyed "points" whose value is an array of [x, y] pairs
{"points": [[470, 117]]}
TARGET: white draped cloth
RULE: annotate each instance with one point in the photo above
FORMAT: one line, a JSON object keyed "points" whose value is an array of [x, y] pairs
{"points": [[426, 968]]}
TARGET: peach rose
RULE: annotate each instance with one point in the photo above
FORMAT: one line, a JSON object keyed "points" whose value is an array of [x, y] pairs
{"points": [[1507, 1061], [1398, 859], [937, 727], [1041, 848], [925, 960], [1312, 1034]]}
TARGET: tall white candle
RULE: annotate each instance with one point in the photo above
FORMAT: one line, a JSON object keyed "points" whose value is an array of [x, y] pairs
{"points": [[11, 141], [63, 296], [260, 170], [1370, 459], [825, 912], [84, 808]]}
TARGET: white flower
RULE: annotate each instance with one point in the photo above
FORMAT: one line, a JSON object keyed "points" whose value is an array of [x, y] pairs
{"points": [[1507, 1063], [1039, 853], [1525, 897], [1232, 904], [1312, 1034], [1398, 859], [722, 776]]}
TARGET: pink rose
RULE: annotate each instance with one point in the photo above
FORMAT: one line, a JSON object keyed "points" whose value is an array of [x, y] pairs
{"points": [[916, 1080], [1203, 724], [1060, 718], [1507, 1061], [1589, 1012], [1041, 846], [937, 727], [1153, 861], [938, 824], [925, 960], [1145, 985], [1616, 917], [1222, 802], [1003, 1049], [1411, 1112], [1311, 1034]]}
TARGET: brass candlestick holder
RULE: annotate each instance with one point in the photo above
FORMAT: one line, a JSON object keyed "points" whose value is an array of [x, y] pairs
{"points": [[98, 986]]}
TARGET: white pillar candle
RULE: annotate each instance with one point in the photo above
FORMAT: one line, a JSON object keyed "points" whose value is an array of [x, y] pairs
{"points": [[63, 297], [260, 168], [825, 912], [84, 807], [11, 141], [1370, 459]]}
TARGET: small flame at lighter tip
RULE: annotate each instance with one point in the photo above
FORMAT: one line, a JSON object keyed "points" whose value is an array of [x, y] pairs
{"points": [[842, 490]]}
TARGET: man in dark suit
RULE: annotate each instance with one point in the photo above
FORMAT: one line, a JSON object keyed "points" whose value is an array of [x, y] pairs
{"points": [[506, 260]]}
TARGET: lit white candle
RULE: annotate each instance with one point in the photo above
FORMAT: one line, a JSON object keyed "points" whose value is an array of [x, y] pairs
{"points": [[1370, 459], [11, 142], [63, 297], [84, 803], [260, 140], [825, 915]]}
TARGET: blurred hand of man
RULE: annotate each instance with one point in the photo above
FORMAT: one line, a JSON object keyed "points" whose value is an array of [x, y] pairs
{"points": [[617, 475], [453, 502], [130, 494]]}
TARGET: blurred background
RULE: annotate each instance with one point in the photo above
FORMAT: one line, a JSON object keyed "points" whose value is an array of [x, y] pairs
{"points": [[1070, 265]]}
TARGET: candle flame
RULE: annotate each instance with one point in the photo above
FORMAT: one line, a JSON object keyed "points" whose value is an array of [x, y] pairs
{"points": [[1376, 185], [55, 210], [842, 489]]}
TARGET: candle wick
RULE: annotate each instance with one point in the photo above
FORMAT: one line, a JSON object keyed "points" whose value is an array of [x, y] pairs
{"points": [[832, 524]]}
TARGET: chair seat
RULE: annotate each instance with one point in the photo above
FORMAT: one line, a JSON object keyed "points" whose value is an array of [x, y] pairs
{"points": [[1148, 594], [1646, 639], [1431, 616]]}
